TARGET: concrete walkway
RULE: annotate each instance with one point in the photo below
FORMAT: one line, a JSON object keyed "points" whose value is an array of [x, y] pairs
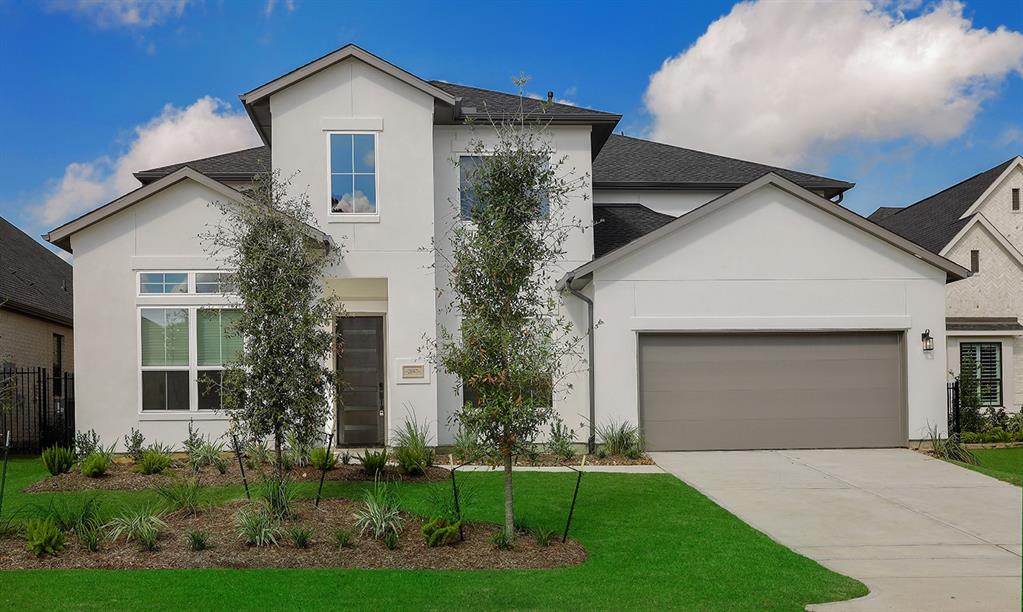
{"points": [[921, 533]]}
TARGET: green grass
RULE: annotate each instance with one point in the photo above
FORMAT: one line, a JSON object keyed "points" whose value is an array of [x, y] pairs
{"points": [[653, 543], [1001, 463]]}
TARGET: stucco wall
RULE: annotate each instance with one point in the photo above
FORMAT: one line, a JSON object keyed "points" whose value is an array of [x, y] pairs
{"points": [[769, 262], [27, 342]]}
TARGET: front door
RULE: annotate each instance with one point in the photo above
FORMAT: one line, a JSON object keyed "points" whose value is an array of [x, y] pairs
{"points": [[360, 363]]}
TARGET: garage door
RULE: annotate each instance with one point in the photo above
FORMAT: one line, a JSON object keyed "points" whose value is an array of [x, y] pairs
{"points": [[751, 391]]}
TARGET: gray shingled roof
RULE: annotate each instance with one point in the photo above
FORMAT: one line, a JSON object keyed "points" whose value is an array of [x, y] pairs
{"points": [[235, 166], [615, 225], [982, 324], [883, 213], [625, 161], [935, 220], [32, 279], [478, 102]]}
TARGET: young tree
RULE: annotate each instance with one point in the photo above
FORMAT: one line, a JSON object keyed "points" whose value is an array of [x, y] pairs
{"points": [[280, 385], [513, 343]]}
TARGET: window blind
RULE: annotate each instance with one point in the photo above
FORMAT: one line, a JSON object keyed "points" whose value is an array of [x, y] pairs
{"points": [[164, 337]]}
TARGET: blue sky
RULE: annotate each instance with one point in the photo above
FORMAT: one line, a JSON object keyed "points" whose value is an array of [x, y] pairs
{"points": [[83, 80]]}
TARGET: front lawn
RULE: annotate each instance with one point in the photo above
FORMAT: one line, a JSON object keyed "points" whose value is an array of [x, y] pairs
{"points": [[652, 543], [1001, 463]]}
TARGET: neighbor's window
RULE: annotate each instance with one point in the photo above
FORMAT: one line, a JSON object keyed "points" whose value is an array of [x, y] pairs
{"points": [[165, 371], [353, 173], [217, 345], [985, 359], [213, 282], [974, 261], [1015, 199], [163, 282], [58, 363]]}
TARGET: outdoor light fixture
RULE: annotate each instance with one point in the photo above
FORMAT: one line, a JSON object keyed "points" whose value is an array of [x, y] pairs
{"points": [[928, 340]]}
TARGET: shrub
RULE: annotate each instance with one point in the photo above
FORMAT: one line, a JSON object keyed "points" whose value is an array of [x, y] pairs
{"points": [[344, 538], [346, 458], [154, 461], [391, 540], [298, 451], [466, 447], [86, 443], [147, 537], [300, 536], [562, 440], [950, 448], [543, 536], [411, 447], [501, 540], [133, 444], [1015, 422], [198, 539], [182, 494], [58, 460], [322, 459], [373, 462], [43, 537], [135, 525], [69, 515], [89, 536], [440, 532], [206, 453], [379, 514], [256, 453], [194, 439], [95, 465], [257, 527], [621, 439], [278, 493]]}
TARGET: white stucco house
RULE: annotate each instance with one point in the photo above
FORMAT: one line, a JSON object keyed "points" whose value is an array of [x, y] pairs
{"points": [[978, 223], [738, 305]]}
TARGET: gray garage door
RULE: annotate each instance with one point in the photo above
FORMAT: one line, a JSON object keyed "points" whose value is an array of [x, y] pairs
{"points": [[750, 391]]}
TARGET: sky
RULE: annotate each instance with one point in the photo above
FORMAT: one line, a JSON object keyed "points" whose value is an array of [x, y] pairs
{"points": [[901, 97]]}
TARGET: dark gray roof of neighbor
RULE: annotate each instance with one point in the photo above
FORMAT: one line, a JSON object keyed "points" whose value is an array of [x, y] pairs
{"points": [[627, 162], [33, 280], [615, 225], [935, 220], [983, 324], [235, 166], [883, 213]]}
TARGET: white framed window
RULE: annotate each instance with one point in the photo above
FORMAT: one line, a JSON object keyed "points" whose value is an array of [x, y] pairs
{"points": [[353, 181], [183, 351], [214, 282], [177, 283], [468, 200], [163, 282]]}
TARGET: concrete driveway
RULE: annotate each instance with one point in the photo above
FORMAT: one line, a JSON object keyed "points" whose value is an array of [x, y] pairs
{"points": [[922, 534]]}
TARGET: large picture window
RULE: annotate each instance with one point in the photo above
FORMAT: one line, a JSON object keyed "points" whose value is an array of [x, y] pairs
{"points": [[984, 359], [165, 359], [217, 345], [353, 174]]}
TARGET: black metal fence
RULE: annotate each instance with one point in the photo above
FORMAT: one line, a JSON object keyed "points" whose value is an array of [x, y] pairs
{"points": [[37, 408], [954, 406]]}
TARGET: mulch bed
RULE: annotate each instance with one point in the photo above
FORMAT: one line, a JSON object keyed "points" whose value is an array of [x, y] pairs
{"points": [[548, 460], [229, 551], [122, 476]]}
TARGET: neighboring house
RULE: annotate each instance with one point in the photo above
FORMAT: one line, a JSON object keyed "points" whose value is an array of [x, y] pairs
{"points": [[35, 305], [978, 223], [739, 306]]}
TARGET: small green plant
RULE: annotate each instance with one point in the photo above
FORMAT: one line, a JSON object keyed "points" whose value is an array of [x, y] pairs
{"points": [[257, 453], [95, 465], [89, 536], [70, 515], [322, 459], [182, 494], [133, 443], [346, 458], [379, 513], [411, 447], [562, 440], [194, 439], [621, 439], [543, 536], [278, 492], [198, 539], [135, 525], [301, 536], [86, 443], [58, 460], [950, 448], [147, 537], [206, 453], [1015, 423], [501, 540], [43, 537], [298, 451], [601, 453], [440, 532], [154, 461], [466, 448], [8, 527], [257, 526], [373, 462], [391, 540], [344, 538]]}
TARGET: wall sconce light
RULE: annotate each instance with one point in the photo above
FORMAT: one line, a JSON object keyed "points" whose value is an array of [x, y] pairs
{"points": [[928, 340]]}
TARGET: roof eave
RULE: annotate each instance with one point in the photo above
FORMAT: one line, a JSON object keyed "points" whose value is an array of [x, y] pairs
{"points": [[38, 313], [831, 190]]}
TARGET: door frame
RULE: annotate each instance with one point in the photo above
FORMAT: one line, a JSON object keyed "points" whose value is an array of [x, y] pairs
{"points": [[339, 442]]}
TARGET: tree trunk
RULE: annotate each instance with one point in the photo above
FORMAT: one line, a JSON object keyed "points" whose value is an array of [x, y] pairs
{"points": [[509, 500], [279, 455]]}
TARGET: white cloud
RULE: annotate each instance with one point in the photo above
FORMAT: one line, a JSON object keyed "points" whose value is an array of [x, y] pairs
{"points": [[776, 81], [270, 5], [206, 127], [1012, 135], [136, 14]]}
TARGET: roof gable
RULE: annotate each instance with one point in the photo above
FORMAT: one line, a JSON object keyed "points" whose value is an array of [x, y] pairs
{"points": [[33, 280]]}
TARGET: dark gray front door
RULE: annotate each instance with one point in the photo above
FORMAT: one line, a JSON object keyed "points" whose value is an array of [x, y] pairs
{"points": [[361, 365]]}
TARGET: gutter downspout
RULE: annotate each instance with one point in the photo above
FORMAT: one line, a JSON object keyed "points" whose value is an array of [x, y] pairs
{"points": [[592, 439]]}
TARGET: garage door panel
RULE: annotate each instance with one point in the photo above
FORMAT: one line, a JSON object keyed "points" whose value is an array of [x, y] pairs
{"points": [[771, 390]]}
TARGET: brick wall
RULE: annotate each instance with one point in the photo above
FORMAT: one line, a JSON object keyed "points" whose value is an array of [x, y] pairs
{"points": [[27, 342]]}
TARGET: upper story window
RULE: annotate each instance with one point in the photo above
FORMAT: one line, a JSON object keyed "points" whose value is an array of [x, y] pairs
{"points": [[1015, 199], [213, 282], [353, 173], [467, 199], [177, 283], [163, 282], [974, 261]]}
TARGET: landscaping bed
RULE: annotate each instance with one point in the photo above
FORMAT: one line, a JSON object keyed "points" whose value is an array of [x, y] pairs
{"points": [[123, 476], [228, 550], [551, 460]]}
